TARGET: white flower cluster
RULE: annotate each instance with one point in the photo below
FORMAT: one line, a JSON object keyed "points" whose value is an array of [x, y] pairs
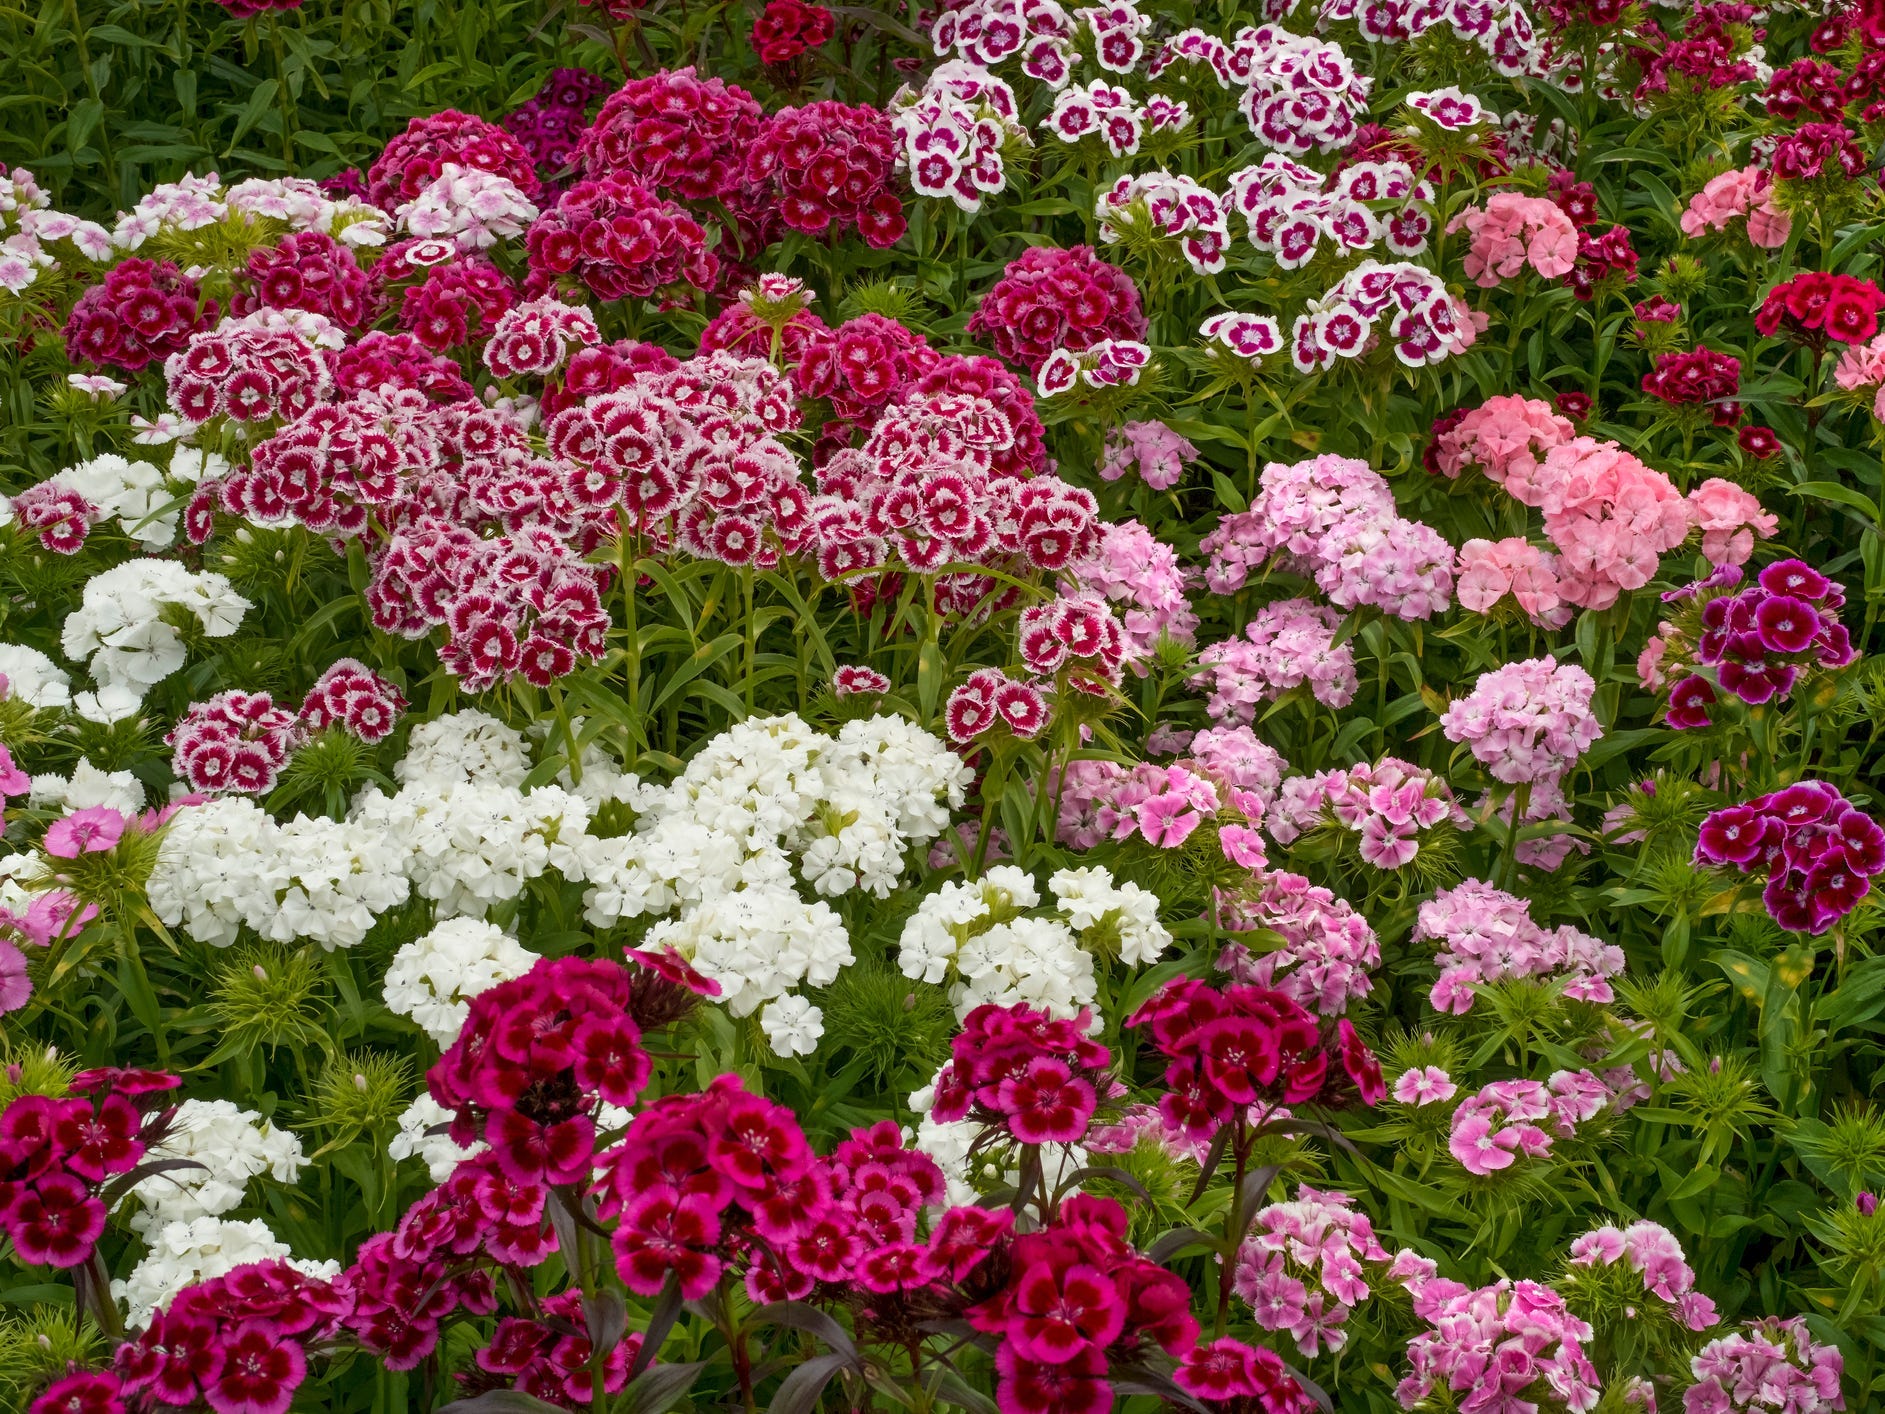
{"points": [[433, 979], [135, 494], [226, 863], [181, 1254], [88, 786], [27, 221], [229, 1147], [980, 938], [954, 133], [121, 630], [192, 202], [473, 208], [33, 678]]}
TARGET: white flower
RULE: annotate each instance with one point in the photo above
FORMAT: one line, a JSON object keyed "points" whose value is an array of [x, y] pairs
{"points": [[95, 385], [180, 1254], [33, 678], [133, 492], [88, 786], [230, 1147], [793, 1025], [475, 208], [464, 746], [119, 628], [1106, 916], [439, 1152], [433, 978]]}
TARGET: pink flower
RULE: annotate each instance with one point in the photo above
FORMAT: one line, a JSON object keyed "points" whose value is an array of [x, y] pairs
{"points": [[1242, 846], [1424, 1085], [1166, 820], [1474, 1143], [13, 781], [87, 831]]}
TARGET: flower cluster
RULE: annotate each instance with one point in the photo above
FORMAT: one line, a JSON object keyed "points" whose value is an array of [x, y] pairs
{"points": [[1049, 299], [1526, 722], [1390, 805], [1819, 852], [1486, 936], [1759, 639]]}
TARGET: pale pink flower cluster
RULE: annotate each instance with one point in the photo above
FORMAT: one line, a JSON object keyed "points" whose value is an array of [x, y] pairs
{"points": [[1389, 804], [1514, 231], [1301, 1272], [1133, 568], [1152, 449], [473, 208], [1730, 519], [1746, 191], [1487, 935], [1504, 435], [1491, 569], [1526, 721], [1102, 800], [1329, 950], [1502, 1349], [1287, 644], [1651, 1250], [1773, 1365], [1138, 1123], [1611, 517], [1250, 769], [1861, 365], [1547, 802], [1503, 1122], [1335, 518]]}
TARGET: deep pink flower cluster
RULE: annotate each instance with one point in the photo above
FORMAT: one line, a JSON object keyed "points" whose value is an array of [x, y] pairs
{"points": [[1075, 639], [1526, 721], [831, 165], [1049, 298], [1022, 1072], [787, 28], [142, 311], [1285, 645], [1102, 800], [1819, 852], [380, 357], [977, 376], [1329, 950], [1233, 1049], [1813, 308], [989, 698], [1606, 257], [1504, 1121], [1816, 151], [353, 697], [1773, 1362], [536, 1057], [605, 368], [413, 159], [551, 124], [524, 604], [1511, 1343], [58, 515], [1651, 1250], [1487, 935], [1758, 640], [1698, 378], [858, 367], [1301, 1269], [536, 337], [619, 240], [680, 135], [1390, 805], [549, 1356], [247, 371], [55, 1154], [306, 270], [1334, 519], [235, 741], [445, 298]]}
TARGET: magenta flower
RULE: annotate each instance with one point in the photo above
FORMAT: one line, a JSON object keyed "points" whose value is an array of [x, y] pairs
{"points": [[13, 781], [1166, 820], [87, 831], [1479, 1150], [14, 986]]}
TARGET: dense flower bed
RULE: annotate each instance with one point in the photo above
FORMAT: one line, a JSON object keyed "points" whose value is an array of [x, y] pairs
{"points": [[1003, 707]]}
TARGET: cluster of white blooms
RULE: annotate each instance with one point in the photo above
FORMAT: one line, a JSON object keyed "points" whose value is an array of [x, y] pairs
{"points": [[134, 493], [180, 1254], [757, 943], [472, 208], [980, 938], [33, 678], [432, 979], [970, 1174], [226, 863], [227, 1147], [88, 786], [438, 1151], [192, 203], [463, 748], [121, 630]]}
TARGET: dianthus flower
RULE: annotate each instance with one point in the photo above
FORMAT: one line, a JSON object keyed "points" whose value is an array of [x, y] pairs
{"points": [[1814, 308], [551, 124], [1651, 1252], [379, 358], [1740, 192], [1287, 644], [1375, 303], [1773, 1363], [1301, 1271], [1158, 454], [1818, 150], [1819, 852], [1170, 210], [247, 370], [536, 337], [1136, 570], [1527, 721], [677, 134], [1730, 519], [860, 366], [787, 28], [1389, 806], [1303, 94], [830, 165], [415, 157], [1049, 298], [1021, 1071], [1074, 638], [991, 699], [353, 697], [142, 311], [620, 240], [445, 299], [1489, 570], [1698, 377], [1610, 517], [1328, 952], [1487, 935], [306, 270], [236, 741], [1511, 1342], [1514, 231]]}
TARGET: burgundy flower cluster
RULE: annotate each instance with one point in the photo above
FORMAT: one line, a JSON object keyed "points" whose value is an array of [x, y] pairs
{"points": [[831, 166], [1819, 852], [1036, 1078], [1049, 298], [141, 311], [56, 1154], [306, 270], [858, 368], [1698, 378], [1816, 151], [248, 372], [413, 159], [1230, 1049], [1814, 308], [1807, 86], [236, 741], [989, 698], [787, 28], [444, 298], [550, 125], [1758, 640], [605, 368], [1076, 638], [679, 135], [353, 697], [620, 240]]}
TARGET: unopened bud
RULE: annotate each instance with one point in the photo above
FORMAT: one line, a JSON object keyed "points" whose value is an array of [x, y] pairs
{"points": [[359, 1082], [260, 974]]}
